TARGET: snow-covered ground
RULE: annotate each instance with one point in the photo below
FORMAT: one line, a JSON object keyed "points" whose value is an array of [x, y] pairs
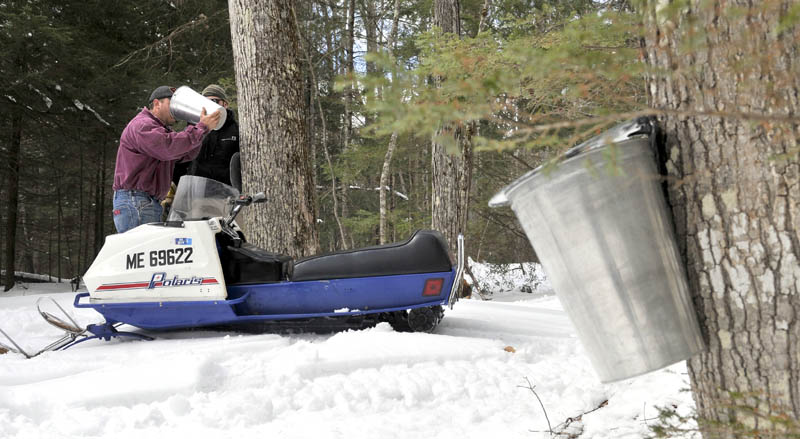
{"points": [[469, 379]]}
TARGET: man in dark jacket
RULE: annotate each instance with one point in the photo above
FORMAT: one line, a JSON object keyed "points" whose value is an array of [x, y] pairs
{"points": [[219, 146]]}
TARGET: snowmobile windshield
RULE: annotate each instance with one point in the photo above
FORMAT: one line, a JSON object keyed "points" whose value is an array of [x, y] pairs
{"points": [[199, 197]]}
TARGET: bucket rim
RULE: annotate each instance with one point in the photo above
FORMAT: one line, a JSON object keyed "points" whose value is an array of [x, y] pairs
{"points": [[615, 134]]}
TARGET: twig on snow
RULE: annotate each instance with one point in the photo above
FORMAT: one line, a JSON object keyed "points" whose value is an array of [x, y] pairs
{"points": [[531, 388], [563, 426]]}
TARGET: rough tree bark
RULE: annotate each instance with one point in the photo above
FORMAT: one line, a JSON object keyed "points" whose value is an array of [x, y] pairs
{"points": [[274, 145], [451, 173], [735, 196]]}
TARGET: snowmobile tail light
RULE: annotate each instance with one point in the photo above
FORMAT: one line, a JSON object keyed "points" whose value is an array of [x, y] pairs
{"points": [[433, 287]]}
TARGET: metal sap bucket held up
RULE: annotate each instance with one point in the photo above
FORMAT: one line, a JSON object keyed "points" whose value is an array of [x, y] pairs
{"points": [[187, 104], [604, 236]]}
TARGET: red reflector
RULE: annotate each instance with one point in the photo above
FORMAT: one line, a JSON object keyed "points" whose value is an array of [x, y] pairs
{"points": [[433, 287]]}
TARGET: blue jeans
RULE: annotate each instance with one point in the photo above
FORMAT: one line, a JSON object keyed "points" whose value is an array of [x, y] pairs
{"points": [[134, 208]]}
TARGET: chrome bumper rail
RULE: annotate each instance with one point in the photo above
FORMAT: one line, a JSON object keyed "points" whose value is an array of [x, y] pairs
{"points": [[459, 273]]}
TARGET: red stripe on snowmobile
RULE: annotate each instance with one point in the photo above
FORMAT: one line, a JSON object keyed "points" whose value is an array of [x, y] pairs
{"points": [[128, 286], [122, 286]]}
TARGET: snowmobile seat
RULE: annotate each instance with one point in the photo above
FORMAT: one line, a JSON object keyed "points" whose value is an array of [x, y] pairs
{"points": [[249, 264], [424, 252]]}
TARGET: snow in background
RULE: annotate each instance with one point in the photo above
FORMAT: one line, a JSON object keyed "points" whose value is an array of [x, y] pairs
{"points": [[522, 280], [469, 379]]}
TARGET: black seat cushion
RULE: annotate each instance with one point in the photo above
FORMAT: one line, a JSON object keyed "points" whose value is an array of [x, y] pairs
{"points": [[425, 252], [249, 264]]}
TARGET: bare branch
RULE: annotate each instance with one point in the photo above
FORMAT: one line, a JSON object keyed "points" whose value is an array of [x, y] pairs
{"points": [[201, 19]]}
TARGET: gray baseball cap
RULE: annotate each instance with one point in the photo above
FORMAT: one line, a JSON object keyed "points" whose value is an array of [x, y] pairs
{"points": [[161, 92]]}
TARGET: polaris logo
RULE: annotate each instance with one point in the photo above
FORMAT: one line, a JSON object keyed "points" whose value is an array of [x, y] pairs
{"points": [[160, 280]]}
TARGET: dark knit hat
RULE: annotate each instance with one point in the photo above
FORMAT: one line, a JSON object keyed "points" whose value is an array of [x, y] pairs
{"points": [[215, 90], [162, 92]]}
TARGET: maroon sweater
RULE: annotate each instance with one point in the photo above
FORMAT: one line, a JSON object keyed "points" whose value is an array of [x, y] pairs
{"points": [[148, 150]]}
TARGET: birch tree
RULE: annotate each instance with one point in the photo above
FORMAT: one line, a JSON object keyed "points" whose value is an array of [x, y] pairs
{"points": [[387, 160]]}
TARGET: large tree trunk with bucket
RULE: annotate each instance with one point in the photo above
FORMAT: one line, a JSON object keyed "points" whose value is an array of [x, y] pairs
{"points": [[274, 145], [734, 189]]}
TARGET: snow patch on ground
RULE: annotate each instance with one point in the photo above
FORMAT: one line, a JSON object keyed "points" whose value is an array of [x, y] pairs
{"points": [[462, 381]]}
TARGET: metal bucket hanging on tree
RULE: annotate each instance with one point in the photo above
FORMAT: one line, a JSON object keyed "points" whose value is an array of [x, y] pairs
{"points": [[600, 225]]}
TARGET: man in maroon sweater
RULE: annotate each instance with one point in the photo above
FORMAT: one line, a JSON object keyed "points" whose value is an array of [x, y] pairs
{"points": [[148, 151]]}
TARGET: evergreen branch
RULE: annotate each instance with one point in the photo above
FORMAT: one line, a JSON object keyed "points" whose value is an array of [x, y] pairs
{"points": [[753, 117]]}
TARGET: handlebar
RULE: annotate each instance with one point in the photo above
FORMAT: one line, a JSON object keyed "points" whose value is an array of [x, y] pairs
{"points": [[238, 203], [246, 200]]}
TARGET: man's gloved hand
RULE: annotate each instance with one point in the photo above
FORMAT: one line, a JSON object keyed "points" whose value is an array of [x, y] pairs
{"points": [[167, 201]]}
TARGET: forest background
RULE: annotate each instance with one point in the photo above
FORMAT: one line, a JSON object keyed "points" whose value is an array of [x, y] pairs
{"points": [[376, 96], [74, 74]]}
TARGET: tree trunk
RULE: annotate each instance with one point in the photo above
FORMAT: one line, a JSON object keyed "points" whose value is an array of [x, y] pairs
{"points": [[83, 241], [369, 17], [275, 149], [447, 16], [59, 227], [370, 20], [484, 15], [350, 66], [100, 198], [383, 187], [13, 198], [50, 250], [309, 91], [324, 131], [735, 197], [28, 263], [349, 95], [387, 159], [451, 174]]}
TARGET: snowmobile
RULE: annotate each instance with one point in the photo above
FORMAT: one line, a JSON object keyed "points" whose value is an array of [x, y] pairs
{"points": [[197, 270]]}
